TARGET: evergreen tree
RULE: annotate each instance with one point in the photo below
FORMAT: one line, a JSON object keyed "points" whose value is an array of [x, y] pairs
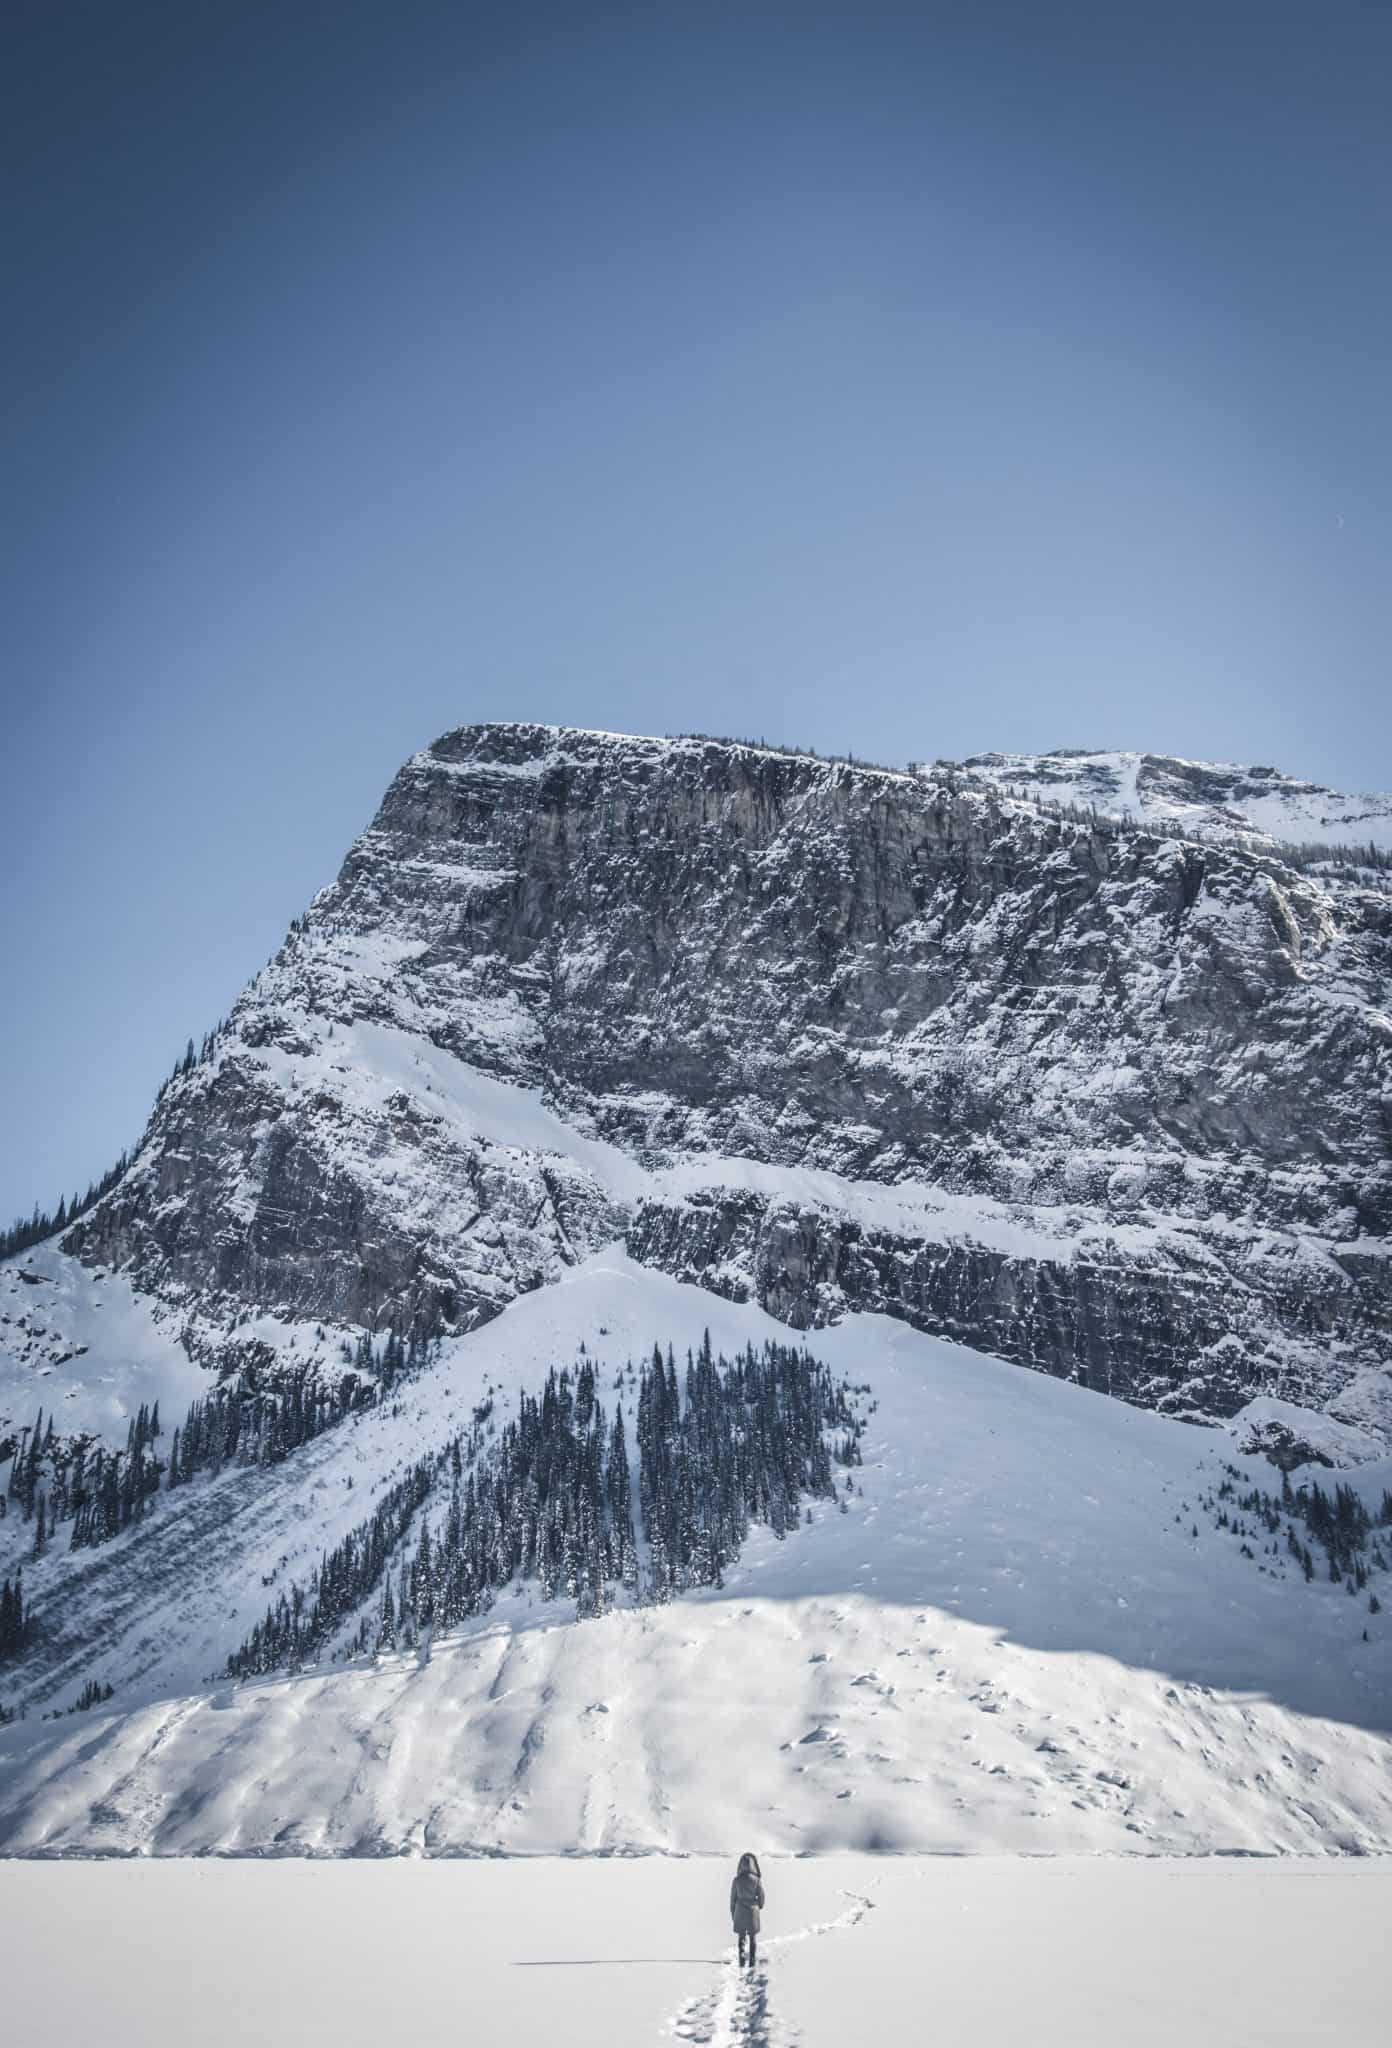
{"points": [[551, 1500], [15, 1618]]}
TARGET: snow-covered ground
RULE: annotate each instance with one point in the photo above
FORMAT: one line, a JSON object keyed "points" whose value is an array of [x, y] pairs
{"points": [[857, 1951], [85, 1348], [1012, 1640]]}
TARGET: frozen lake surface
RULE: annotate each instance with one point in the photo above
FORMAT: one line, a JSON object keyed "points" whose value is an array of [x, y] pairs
{"points": [[629, 1953]]}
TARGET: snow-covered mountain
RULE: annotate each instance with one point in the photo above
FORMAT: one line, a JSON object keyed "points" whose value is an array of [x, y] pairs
{"points": [[1108, 1104], [1206, 798], [597, 1041]]}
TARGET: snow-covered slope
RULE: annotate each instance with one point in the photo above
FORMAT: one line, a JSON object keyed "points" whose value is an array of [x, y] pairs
{"points": [[84, 1346], [1011, 1640], [1207, 798]]}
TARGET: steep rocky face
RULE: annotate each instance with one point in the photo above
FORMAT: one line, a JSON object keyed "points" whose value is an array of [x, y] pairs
{"points": [[1111, 1104]]}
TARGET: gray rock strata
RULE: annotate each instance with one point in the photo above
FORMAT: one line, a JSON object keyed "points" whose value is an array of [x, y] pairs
{"points": [[1113, 1104]]}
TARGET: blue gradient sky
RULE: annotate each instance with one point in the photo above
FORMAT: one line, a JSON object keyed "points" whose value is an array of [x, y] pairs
{"points": [[904, 380]]}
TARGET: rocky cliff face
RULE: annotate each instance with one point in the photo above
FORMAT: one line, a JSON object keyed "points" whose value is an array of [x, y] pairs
{"points": [[1112, 1104]]}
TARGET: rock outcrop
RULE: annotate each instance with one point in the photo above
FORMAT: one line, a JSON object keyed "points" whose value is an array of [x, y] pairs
{"points": [[1110, 1102]]}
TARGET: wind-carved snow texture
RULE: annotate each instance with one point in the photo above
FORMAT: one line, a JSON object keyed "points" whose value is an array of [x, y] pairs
{"points": [[1106, 1103]]}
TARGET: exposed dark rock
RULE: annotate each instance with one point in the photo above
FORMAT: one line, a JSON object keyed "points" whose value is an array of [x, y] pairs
{"points": [[1137, 1086]]}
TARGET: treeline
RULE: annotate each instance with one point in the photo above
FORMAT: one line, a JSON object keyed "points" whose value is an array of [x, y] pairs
{"points": [[745, 1445], [238, 1425], [723, 739], [1347, 863], [551, 1500], [93, 1694], [105, 1498], [1338, 1522], [32, 1230], [193, 1056], [54, 1481], [400, 1353], [296, 1626], [43, 1223], [1350, 863], [1343, 1527]]}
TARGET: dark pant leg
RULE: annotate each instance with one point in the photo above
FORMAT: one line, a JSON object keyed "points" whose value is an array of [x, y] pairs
{"points": [[753, 1950]]}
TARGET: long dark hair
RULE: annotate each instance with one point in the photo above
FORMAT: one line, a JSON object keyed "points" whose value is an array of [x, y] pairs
{"points": [[750, 1858]]}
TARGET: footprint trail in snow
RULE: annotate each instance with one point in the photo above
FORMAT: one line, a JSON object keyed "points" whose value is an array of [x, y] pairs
{"points": [[739, 2012]]}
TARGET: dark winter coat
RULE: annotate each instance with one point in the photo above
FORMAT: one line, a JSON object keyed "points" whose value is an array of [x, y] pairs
{"points": [[746, 1896]]}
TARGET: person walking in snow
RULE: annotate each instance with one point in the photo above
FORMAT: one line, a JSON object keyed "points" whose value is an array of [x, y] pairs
{"points": [[746, 1899]]}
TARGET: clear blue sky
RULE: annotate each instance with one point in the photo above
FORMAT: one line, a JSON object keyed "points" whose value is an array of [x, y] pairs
{"points": [[909, 380]]}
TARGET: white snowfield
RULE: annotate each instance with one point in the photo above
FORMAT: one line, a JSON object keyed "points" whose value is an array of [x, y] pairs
{"points": [[857, 1952], [86, 1348], [1011, 1642]]}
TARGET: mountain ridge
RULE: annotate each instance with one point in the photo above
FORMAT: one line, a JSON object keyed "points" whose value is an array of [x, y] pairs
{"points": [[1206, 798], [730, 964]]}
